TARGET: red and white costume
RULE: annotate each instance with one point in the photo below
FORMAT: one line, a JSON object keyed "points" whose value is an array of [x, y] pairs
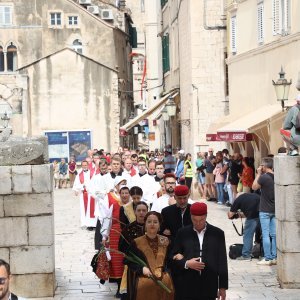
{"points": [[87, 203]]}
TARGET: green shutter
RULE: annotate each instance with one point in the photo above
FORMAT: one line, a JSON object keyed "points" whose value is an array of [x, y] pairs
{"points": [[165, 54], [163, 2], [132, 36]]}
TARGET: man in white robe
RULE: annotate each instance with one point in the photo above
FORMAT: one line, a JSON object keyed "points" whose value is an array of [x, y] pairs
{"points": [[87, 205]]}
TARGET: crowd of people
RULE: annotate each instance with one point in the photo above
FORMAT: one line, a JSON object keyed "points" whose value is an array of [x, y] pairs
{"points": [[139, 204]]}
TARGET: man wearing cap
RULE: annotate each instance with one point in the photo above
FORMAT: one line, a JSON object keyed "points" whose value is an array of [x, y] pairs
{"points": [[176, 216], [199, 252], [290, 134]]}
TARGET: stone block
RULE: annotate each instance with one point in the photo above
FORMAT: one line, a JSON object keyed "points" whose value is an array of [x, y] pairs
{"points": [[288, 269], [33, 285], [40, 231], [287, 170], [287, 202], [1, 207], [288, 236], [42, 181], [28, 204], [21, 179], [5, 180], [31, 259], [13, 232], [4, 254]]}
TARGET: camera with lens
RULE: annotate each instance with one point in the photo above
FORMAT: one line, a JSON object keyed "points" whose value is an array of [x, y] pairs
{"points": [[235, 216]]}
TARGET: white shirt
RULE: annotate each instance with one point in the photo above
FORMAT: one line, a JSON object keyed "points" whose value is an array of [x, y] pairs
{"points": [[160, 203], [147, 184]]}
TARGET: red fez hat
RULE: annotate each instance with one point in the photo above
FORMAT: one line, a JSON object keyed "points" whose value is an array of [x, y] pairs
{"points": [[169, 175], [181, 190], [198, 209]]}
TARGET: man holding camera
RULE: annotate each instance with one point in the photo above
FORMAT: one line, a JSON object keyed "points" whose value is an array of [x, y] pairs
{"points": [[246, 205]]}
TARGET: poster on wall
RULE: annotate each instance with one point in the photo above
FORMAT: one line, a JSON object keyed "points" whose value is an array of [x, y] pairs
{"points": [[79, 144], [57, 145], [63, 144]]}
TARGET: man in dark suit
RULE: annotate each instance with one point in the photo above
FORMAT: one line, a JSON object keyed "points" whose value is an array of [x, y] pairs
{"points": [[199, 252], [176, 216]]}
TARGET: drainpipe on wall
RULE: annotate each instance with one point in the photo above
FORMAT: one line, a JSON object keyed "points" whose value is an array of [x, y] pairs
{"points": [[204, 20]]}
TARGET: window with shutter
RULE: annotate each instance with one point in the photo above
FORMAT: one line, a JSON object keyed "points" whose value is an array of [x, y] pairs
{"points": [[165, 53], [260, 22], [281, 11], [233, 34]]}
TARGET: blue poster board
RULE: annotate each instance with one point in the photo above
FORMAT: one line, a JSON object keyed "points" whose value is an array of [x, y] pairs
{"points": [[63, 144], [79, 144], [58, 145]]}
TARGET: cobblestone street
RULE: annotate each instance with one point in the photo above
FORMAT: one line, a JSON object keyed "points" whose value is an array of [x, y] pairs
{"points": [[74, 251]]}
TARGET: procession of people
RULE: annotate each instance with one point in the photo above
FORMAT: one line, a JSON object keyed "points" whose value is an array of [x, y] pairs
{"points": [[156, 239]]}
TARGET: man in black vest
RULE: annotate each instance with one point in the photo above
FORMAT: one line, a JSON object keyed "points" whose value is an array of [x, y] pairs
{"points": [[5, 277], [199, 252]]}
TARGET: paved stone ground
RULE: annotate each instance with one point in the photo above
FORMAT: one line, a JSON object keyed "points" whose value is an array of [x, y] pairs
{"points": [[74, 251]]}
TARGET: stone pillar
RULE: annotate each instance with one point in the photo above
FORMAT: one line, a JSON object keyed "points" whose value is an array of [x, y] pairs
{"points": [[287, 195], [27, 228]]}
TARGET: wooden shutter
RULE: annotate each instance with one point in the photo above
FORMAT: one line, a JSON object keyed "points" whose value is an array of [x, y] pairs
{"points": [[286, 13], [276, 15], [233, 34], [260, 22]]}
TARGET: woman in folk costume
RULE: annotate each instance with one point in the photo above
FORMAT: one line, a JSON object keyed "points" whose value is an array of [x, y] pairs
{"points": [[152, 249], [129, 233], [127, 214], [108, 213]]}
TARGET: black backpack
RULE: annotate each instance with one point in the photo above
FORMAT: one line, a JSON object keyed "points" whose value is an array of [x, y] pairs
{"points": [[235, 250]]}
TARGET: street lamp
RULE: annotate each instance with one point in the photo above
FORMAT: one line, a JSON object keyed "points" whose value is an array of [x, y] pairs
{"points": [[165, 114], [282, 88], [171, 107], [5, 119]]}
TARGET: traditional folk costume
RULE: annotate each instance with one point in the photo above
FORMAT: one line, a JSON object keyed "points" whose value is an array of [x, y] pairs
{"points": [[127, 214], [154, 253], [129, 233], [108, 213], [87, 204]]}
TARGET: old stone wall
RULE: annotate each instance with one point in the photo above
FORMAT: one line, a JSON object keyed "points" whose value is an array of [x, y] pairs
{"points": [[287, 195], [27, 228]]}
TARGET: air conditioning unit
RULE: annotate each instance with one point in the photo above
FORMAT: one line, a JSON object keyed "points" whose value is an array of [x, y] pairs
{"points": [[94, 9], [107, 14], [85, 1]]}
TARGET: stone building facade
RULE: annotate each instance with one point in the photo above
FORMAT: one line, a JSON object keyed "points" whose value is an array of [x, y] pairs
{"points": [[34, 38], [263, 36], [195, 35]]}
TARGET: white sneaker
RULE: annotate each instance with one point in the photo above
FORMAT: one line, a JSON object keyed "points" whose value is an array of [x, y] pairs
{"points": [[264, 262], [274, 261]]}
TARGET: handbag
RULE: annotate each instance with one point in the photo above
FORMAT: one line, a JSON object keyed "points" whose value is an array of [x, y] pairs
{"points": [[235, 251], [100, 265]]}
